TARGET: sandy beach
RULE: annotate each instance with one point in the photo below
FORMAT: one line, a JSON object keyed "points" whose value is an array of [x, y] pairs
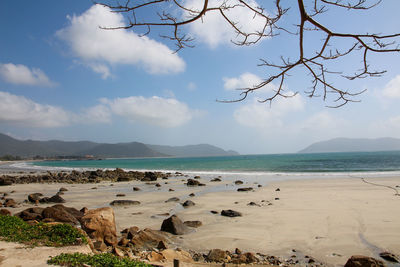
{"points": [[328, 219]]}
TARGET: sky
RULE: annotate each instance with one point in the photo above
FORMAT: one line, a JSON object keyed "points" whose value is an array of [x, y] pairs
{"points": [[63, 77]]}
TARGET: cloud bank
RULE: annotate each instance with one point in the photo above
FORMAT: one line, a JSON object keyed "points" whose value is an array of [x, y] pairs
{"points": [[156, 111], [99, 48], [22, 75]]}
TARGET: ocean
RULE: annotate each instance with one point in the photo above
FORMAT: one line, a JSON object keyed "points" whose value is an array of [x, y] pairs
{"points": [[318, 164]]}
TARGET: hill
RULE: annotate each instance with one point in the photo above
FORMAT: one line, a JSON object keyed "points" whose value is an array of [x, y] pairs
{"points": [[353, 145], [202, 150], [55, 148]]}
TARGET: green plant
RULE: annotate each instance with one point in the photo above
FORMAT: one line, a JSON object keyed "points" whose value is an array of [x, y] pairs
{"points": [[99, 260], [14, 229]]}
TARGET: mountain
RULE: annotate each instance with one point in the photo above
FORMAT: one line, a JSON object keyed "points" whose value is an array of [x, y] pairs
{"points": [[202, 150], [55, 148], [353, 145]]}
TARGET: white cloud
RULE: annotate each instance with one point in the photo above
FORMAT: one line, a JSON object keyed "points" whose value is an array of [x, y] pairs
{"points": [[21, 74], [98, 47], [192, 86], [214, 30], [246, 80], [21, 111], [392, 89], [164, 112], [97, 114], [264, 116], [327, 123]]}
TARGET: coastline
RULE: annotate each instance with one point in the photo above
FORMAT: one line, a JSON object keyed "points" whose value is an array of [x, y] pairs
{"points": [[329, 219]]}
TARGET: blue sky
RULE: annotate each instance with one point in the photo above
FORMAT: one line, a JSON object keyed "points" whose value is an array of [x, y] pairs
{"points": [[61, 77]]}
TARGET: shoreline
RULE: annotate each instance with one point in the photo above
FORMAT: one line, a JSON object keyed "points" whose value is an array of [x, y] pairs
{"points": [[329, 219]]}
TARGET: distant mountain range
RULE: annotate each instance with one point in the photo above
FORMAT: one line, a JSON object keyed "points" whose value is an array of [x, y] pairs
{"points": [[353, 145], [55, 148]]}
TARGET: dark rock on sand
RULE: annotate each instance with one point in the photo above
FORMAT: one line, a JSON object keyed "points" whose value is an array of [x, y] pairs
{"points": [[192, 182], [35, 197], [245, 189], [214, 212], [149, 176], [62, 189], [277, 190], [389, 256], [5, 181], [188, 203], [124, 202], [174, 225], [120, 195], [363, 261], [191, 195], [253, 204], [60, 214], [215, 180], [172, 199], [193, 224], [231, 213], [149, 239], [136, 189], [54, 199], [237, 182]]}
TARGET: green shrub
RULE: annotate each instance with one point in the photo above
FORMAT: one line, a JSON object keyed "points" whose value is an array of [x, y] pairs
{"points": [[99, 260], [14, 229]]}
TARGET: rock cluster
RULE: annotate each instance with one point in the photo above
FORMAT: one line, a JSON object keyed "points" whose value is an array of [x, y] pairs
{"points": [[117, 175]]}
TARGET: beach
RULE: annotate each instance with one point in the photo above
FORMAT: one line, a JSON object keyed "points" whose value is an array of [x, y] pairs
{"points": [[329, 219]]}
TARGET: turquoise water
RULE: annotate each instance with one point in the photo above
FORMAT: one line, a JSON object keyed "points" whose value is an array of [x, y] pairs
{"points": [[278, 163]]}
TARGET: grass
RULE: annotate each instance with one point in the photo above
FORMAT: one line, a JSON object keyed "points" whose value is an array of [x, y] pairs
{"points": [[99, 260], [14, 229]]}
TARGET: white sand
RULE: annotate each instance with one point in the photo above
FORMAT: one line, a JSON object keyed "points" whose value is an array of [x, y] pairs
{"points": [[329, 219]]}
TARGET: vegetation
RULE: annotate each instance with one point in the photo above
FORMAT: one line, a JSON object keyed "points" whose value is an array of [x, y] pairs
{"points": [[9, 158], [14, 229], [100, 260]]}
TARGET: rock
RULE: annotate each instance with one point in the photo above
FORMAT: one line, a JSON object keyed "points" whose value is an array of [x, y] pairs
{"points": [[245, 189], [34, 197], [173, 225], [120, 195], [31, 214], [5, 212], [172, 199], [193, 224], [157, 185], [123, 242], [161, 245], [191, 195], [196, 177], [99, 224], [100, 246], [231, 213], [9, 203], [171, 190], [149, 239], [389, 256], [188, 203], [54, 199], [238, 182], [217, 255], [136, 189], [5, 181], [149, 176], [253, 204], [132, 231], [180, 255], [259, 185], [59, 213], [192, 182], [238, 251], [363, 261], [84, 210], [118, 252], [245, 258], [215, 180], [155, 257], [124, 202], [62, 189], [214, 212], [277, 190]]}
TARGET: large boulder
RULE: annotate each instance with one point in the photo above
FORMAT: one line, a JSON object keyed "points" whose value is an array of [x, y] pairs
{"points": [[149, 239], [363, 261], [100, 225], [217, 255], [59, 213], [54, 199], [174, 225], [35, 197], [231, 213]]}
